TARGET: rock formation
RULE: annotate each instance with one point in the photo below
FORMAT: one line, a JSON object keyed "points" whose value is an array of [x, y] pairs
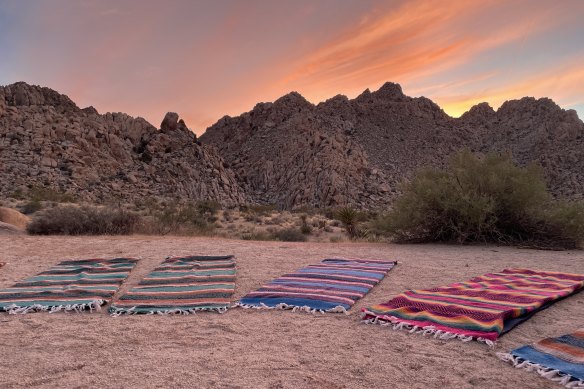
{"points": [[290, 152], [46, 140]]}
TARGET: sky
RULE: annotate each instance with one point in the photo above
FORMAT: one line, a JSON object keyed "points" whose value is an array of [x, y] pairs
{"points": [[208, 58]]}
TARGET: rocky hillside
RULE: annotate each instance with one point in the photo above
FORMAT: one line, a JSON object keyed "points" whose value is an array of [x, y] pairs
{"points": [[289, 153], [294, 153], [46, 140]]}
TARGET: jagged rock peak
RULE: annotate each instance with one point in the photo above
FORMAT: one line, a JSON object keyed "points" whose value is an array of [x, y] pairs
{"points": [[293, 99], [481, 110], [23, 94], [170, 122], [390, 91], [90, 110]]}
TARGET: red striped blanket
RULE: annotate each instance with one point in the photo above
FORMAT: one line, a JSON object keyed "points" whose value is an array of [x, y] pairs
{"points": [[482, 308]]}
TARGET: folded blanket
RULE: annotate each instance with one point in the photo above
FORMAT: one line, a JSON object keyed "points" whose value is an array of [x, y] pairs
{"points": [[333, 285], [558, 359], [68, 286], [482, 308], [182, 285]]}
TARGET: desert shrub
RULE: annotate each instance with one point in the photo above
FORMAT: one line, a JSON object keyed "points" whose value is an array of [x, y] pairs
{"points": [[290, 235], [487, 199], [254, 234], [31, 206], [85, 220], [258, 209], [189, 219], [351, 218], [40, 193], [305, 228]]}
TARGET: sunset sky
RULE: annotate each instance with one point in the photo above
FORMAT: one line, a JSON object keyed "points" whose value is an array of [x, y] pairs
{"points": [[206, 59]]}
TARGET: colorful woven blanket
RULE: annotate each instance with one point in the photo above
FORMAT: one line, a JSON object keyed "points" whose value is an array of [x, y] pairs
{"points": [[182, 285], [559, 359], [333, 285], [482, 308], [68, 286]]}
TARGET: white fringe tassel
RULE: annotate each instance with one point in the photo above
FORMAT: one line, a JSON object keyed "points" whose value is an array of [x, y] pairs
{"points": [[396, 324], [294, 308], [551, 374], [131, 311], [21, 310]]}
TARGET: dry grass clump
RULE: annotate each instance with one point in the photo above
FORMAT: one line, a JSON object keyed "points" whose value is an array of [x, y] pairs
{"points": [[487, 199], [84, 220]]}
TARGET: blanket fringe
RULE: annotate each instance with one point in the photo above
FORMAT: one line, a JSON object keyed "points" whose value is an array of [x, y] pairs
{"points": [[115, 312], [294, 308], [397, 324], [551, 374], [78, 308]]}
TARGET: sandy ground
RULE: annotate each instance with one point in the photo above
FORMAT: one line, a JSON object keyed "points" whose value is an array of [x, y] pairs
{"points": [[265, 349]]}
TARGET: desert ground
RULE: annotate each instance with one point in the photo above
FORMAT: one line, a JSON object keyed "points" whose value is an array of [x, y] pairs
{"points": [[265, 349]]}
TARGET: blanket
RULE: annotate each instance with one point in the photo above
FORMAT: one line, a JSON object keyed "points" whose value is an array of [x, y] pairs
{"points": [[482, 309], [558, 359], [182, 285], [332, 285], [69, 286]]}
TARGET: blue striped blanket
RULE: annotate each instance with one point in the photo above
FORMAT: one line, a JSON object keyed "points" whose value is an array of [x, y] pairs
{"points": [[558, 359], [332, 285]]}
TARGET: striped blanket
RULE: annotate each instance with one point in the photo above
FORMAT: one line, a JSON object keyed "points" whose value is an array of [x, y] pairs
{"points": [[182, 285], [483, 308], [69, 286], [559, 359], [333, 285]]}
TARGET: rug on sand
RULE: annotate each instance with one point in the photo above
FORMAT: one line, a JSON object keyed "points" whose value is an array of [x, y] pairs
{"points": [[333, 285], [558, 359], [482, 309], [69, 286], [182, 285]]}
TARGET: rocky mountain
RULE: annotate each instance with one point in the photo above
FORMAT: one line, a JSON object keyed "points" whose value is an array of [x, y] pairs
{"points": [[46, 140], [289, 153], [357, 151]]}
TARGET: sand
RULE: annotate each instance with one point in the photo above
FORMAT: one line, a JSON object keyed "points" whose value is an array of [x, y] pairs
{"points": [[265, 349]]}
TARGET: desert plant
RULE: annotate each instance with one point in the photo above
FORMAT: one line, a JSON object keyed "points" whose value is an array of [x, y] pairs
{"points": [[189, 219], [350, 218], [487, 199], [305, 228], [31, 206], [85, 220], [290, 235]]}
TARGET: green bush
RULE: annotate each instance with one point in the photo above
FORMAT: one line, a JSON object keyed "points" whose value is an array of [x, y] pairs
{"points": [[85, 220], [351, 219], [487, 199]]}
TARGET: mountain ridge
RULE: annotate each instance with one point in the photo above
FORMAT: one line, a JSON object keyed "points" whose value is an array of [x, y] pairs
{"points": [[289, 152]]}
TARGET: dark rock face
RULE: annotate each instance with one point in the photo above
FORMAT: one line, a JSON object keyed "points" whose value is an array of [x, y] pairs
{"points": [[356, 152], [289, 153], [45, 139]]}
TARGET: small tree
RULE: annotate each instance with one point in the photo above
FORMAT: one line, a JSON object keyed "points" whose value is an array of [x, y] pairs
{"points": [[487, 199]]}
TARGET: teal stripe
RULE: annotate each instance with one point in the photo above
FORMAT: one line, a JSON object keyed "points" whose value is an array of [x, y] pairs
{"points": [[158, 274], [77, 276], [181, 288]]}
